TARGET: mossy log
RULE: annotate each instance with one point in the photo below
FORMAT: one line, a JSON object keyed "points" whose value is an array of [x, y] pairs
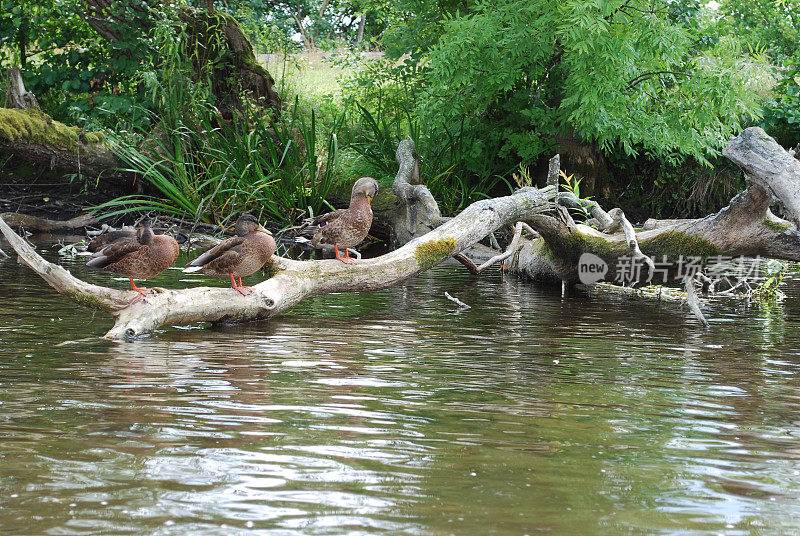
{"points": [[746, 227], [35, 138], [34, 224]]}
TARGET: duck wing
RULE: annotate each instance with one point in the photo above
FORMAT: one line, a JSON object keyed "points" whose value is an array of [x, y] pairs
{"points": [[330, 217], [105, 239], [231, 245], [114, 252]]}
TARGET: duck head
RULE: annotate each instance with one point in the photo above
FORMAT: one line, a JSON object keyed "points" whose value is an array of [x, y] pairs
{"points": [[144, 234], [366, 187], [247, 223]]}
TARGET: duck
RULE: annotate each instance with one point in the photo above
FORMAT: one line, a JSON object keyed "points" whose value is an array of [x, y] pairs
{"points": [[348, 227], [102, 240], [241, 255], [141, 254]]}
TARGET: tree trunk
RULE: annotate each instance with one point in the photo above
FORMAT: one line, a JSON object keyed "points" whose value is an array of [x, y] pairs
{"points": [[215, 39], [361, 24], [238, 80], [16, 94]]}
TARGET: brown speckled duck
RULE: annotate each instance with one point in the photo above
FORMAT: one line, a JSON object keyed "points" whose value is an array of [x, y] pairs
{"points": [[142, 255], [104, 239], [348, 227], [241, 255]]}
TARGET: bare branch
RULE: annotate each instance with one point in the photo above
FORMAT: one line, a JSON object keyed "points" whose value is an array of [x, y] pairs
{"points": [[59, 278], [458, 302], [630, 235], [693, 301]]}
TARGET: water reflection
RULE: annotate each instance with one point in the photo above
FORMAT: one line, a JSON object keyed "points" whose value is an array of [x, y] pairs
{"points": [[396, 413]]}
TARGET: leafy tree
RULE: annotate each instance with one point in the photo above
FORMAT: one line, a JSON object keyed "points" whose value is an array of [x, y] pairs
{"points": [[514, 75], [772, 27], [77, 73]]}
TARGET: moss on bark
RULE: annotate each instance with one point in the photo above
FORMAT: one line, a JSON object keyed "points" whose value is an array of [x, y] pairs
{"points": [[675, 243], [33, 126], [432, 253]]}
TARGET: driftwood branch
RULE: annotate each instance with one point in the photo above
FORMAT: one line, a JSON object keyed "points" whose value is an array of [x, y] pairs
{"points": [[42, 225], [95, 296], [295, 280], [455, 300], [746, 227], [621, 222], [693, 301], [769, 166], [422, 210], [512, 248]]}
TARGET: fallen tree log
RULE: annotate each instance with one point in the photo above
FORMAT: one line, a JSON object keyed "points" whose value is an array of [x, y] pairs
{"points": [[34, 138], [43, 225], [293, 280], [746, 227]]}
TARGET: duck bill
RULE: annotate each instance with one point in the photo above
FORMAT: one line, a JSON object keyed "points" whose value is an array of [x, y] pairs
{"points": [[263, 230]]}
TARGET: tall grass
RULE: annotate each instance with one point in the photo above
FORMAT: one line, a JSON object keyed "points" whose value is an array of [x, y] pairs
{"points": [[275, 168], [443, 164], [204, 168]]}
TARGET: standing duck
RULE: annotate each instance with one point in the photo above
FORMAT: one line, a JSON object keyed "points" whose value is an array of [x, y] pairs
{"points": [[241, 255], [348, 227], [142, 255]]}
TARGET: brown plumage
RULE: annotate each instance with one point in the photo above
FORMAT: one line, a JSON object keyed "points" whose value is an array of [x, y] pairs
{"points": [[348, 227], [142, 255], [240, 256], [102, 240]]}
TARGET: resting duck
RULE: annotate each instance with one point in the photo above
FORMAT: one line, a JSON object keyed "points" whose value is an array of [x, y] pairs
{"points": [[102, 240], [142, 255], [241, 255], [348, 227]]}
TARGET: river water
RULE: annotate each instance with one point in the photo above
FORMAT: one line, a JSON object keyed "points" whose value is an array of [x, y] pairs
{"points": [[394, 412]]}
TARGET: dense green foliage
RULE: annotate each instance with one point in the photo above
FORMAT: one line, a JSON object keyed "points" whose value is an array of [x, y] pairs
{"points": [[772, 27], [653, 89], [76, 74], [206, 168]]}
